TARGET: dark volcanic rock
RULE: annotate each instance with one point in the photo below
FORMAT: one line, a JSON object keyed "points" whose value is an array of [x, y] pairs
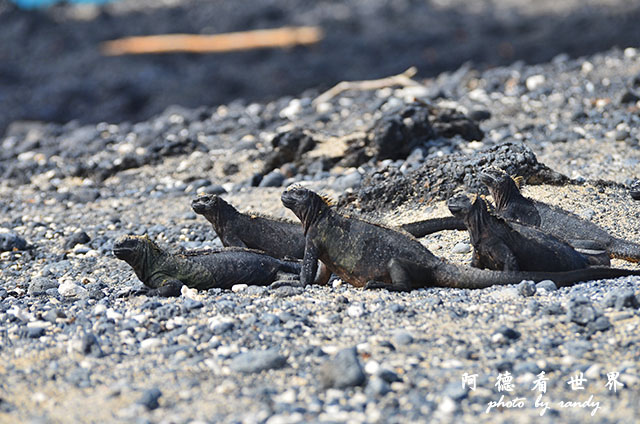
{"points": [[439, 177], [342, 371], [258, 360], [11, 241], [397, 133]]}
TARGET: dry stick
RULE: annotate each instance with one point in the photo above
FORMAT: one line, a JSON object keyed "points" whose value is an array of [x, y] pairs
{"points": [[232, 41], [403, 79]]}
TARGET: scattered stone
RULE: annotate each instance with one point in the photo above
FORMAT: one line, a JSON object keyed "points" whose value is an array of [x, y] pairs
{"points": [[402, 338], [461, 248], [70, 289], [581, 311], [79, 237], [342, 371], [455, 391], [547, 285], [40, 285], [527, 288], [149, 399], [272, 179], [255, 361], [377, 387], [621, 299], [11, 241]]}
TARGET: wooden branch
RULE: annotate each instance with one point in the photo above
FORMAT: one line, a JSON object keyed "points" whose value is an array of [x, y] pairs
{"points": [[403, 79], [231, 41]]}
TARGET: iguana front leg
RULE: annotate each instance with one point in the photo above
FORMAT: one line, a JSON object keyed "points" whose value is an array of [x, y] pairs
{"points": [[172, 288], [232, 240], [309, 264]]}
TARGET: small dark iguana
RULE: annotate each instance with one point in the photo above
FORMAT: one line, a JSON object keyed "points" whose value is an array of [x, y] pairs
{"points": [[365, 254], [500, 245], [165, 273], [277, 237], [513, 206]]}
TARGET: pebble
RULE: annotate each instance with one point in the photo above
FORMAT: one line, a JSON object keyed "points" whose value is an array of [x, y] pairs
{"points": [[255, 361], [402, 338], [377, 387], [461, 248], [40, 285], [527, 288], [272, 179], [455, 391], [70, 289], [79, 237], [11, 241], [356, 310], [581, 311], [150, 398], [547, 285], [620, 299], [343, 370]]}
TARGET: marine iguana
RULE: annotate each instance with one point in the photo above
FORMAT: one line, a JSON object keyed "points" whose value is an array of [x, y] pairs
{"points": [[280, 238], [580, 233], [277, 237], [500, 245], [372, 256], [165, 273]]}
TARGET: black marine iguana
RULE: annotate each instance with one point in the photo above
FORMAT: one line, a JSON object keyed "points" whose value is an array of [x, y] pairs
{"points": [[369, 255], [280, 238], [513, 206], [165, 273], [500, 245], [277, 237]]}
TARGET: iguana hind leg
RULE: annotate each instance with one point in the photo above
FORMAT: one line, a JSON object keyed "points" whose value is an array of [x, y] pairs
{"points": [[402, 274]]}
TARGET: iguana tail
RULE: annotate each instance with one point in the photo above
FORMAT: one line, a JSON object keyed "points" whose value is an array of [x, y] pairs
{"points": [[448, 275], [429, 226], [623, 249]]}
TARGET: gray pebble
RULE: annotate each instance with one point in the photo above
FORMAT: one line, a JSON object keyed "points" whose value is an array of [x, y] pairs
{"points": [[222, 327], [286, 291], [79, 237], [455, 391], [401, 337], [40, 285], [377, 387], [620, 299], [547, 285], [272, 179], [527, 288], [11, 241], [581, 311], [149, 398], [461, 248], [255, 361], [342, 371]]}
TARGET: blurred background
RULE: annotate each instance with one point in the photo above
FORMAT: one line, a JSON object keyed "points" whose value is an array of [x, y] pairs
{"points": [[52, 68]]}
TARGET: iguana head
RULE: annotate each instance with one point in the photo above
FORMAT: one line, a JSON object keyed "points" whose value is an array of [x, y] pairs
{"points": [[459, 205], [501, 186], [138, 251], [304, 203], [207, 204]]}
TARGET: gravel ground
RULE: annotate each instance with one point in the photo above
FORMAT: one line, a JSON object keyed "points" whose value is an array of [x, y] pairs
{"points": [[75, 347]]}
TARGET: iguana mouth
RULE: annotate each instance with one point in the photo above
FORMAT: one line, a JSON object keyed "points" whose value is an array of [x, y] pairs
{"points": [[458, 204], [124, 248], [201, 204], [489, 177]]}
